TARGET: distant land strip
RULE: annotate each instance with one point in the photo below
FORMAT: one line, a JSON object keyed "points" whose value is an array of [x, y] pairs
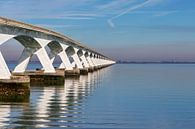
{"points": [[154, 62]]}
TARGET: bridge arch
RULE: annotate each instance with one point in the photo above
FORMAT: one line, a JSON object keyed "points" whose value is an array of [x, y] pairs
{"points": [[32, 47], [80, 52], [70, 51], [82, 55], [28, 41], [55, 47], [86, 54]]}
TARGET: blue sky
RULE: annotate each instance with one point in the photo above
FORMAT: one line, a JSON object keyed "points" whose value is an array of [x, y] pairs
{"points": [[135, 30]]}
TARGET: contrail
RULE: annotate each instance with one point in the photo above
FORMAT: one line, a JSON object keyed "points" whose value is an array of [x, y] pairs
{"points": [[110, 21]]}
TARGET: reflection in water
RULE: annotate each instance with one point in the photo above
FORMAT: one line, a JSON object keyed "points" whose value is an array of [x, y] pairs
{"points": [[5, 114], [43, 105], [52, 106], [122, 96]]}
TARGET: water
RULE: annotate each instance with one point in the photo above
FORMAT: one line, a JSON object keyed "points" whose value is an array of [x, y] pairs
{"points": [[135, 96]]}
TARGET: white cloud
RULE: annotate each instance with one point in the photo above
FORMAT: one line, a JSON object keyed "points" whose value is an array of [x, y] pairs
{"points": [[132, 8], [72, 9], [111, 23]]}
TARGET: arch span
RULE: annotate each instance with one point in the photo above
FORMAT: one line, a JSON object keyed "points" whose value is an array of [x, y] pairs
{"points": [[31, 47], [59, 49]]}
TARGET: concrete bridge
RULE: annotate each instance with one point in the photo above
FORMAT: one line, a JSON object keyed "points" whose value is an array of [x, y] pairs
{"points": [[35, 39]]}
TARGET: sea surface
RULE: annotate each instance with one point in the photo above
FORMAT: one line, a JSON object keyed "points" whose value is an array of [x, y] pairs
{"points": [[132, 96]]}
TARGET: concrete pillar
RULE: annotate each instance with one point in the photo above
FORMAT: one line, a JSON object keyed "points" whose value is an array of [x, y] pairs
{"points": [[62, 66], [90, 61], [43, 56], [56, 50], [5, 37], [95, 61], [91, 65], [45, 61], [65, 59], [52, 56], [4, 70], [76, 59], [98, 60], [83, 58]]}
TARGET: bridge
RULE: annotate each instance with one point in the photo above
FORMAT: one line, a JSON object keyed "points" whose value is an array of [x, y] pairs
{"points": [[72, 53]]}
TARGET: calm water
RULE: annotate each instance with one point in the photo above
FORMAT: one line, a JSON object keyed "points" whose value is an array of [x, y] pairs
{"points": [[135, 96]]}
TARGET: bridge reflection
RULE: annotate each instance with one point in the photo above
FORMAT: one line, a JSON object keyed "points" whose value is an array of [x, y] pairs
{"points": [[53, 106]]}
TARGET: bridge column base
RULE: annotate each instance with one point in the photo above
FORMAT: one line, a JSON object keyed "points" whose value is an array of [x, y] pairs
{"points": [[40, 78], [72, 73], [15, 89], [90, 69], [84, 71], [96, 68]]}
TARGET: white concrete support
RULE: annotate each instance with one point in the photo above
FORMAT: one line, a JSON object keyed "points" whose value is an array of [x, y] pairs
{"points": [[45, 61], [4, 70], [65, 59], [94, 61], [43, 56], [5, 37], [105, 62], [76, 59], [97, 61], [73, 64], [90, 61], [85, 63], [84, 60], [52, 57], [100, 62], [62, 66], [24, 60]]}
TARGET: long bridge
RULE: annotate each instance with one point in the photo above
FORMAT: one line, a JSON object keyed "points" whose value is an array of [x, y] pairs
{"points": [[72, 53]]}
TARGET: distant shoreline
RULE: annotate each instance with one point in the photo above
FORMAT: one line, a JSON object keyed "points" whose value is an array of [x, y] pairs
{"points": [[163, 62]]}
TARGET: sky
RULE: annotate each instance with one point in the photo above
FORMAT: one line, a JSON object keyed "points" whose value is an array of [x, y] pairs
{"points": [[133, 30]]}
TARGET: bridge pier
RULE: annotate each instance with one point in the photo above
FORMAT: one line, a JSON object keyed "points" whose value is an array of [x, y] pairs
{"points": [[15, 89], [4, 70], [89, 60], [47, 79], [72, 73]]}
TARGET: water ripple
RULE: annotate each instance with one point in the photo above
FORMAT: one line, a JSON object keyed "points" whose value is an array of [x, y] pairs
{"points": [[127, 96]]}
